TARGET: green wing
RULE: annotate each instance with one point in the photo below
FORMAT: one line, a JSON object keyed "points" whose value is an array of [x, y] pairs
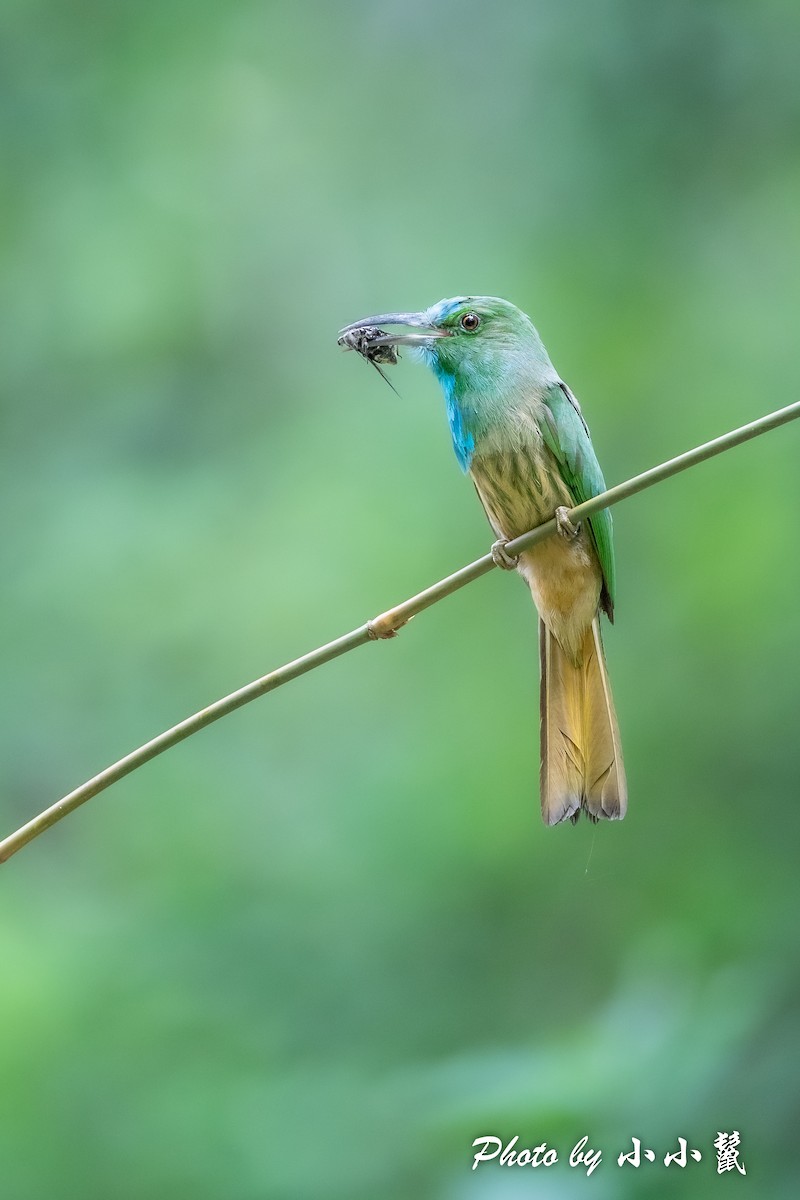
{"points": [[567, 436]]}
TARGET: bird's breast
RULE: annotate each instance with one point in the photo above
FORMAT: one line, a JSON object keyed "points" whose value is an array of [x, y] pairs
{"points": [[520, 489]]}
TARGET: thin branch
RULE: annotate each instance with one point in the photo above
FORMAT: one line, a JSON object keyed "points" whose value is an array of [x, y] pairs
{"points": [[382, 626]]}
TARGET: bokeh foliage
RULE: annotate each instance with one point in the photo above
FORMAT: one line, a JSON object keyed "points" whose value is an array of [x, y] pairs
{"points": [[320, 948]]}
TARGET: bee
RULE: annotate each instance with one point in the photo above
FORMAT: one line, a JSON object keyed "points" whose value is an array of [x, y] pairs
{"points": [[362, 340]]}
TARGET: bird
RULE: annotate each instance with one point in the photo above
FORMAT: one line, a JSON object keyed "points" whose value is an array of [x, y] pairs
{"points": [[519, 433]]}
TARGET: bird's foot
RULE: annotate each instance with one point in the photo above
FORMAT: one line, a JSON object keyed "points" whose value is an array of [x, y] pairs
{"points": [[564, 526], [501, 558]]}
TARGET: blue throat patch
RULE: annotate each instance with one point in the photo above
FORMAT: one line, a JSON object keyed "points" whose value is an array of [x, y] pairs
{"points": [[463, 437]]}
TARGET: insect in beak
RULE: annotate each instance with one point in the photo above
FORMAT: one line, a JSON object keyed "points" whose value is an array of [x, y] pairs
{"points": [[377, 345], [379, 336], [372, 344]]}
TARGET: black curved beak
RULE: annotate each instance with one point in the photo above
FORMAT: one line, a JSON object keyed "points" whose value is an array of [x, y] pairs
{"points": [[416, 320]]}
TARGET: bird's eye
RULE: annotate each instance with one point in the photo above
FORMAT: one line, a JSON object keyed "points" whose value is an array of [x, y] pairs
{"points": [[470, 321]]}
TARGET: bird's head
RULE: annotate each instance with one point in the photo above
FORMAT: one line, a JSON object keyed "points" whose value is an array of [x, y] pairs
{"points": [[474, 344]]}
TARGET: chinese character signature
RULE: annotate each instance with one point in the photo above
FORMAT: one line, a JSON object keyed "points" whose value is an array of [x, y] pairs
{"points": [[490, 1147], [727, 1148]]}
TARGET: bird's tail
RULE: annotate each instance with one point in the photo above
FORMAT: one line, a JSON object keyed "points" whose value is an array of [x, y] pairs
{"points": [[581, 757]]}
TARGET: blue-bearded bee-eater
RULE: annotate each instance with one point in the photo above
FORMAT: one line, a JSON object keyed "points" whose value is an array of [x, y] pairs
{"points": [[519, 433]]}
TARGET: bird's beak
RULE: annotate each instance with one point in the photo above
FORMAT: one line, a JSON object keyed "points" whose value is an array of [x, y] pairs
{"points": [[416, 320]]}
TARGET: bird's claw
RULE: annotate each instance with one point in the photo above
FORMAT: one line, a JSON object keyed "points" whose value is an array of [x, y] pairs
{"points": [[501, 558], [564, 526]]}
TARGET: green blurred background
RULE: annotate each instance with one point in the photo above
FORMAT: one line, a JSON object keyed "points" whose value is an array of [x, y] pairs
{"points": [[318, 949]]}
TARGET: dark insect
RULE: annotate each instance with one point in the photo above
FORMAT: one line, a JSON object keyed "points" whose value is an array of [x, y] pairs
{"points": [[362, 340]]}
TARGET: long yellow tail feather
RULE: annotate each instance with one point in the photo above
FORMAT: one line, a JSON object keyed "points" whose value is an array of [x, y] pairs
{"points": [[581, 757]]}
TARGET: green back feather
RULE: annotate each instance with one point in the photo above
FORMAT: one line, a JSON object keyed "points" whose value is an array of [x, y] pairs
{"points": [[567, 436]]}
